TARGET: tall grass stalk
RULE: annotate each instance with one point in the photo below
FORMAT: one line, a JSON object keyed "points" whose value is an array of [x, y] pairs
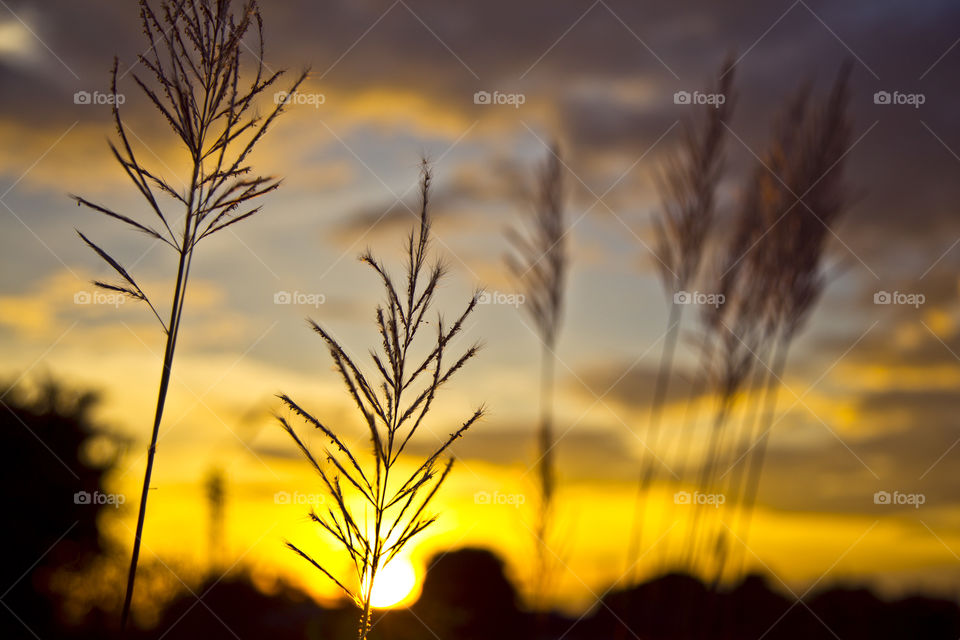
{"points": [[680, 451], [773, 275], [688, 193], [743, 274], [755, 264], [739, 336], [393, 509], [196, 78], [540, 267], [740, 329], [817, 179]]}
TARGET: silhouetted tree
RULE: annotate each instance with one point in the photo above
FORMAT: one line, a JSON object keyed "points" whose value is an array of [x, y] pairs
{"points": [[52, 487]]}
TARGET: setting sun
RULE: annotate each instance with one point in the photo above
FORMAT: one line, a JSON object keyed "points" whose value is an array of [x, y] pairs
{"points": [[394, 585]]}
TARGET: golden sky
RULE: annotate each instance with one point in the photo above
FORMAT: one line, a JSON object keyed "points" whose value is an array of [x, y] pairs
{"points": [[870, 395]]}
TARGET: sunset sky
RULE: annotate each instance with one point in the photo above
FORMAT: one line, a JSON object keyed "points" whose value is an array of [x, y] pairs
{"points": [[870, 391]]}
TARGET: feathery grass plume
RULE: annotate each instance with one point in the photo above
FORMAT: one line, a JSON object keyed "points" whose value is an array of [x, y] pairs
{"points": [[540, 266], [815, 191], [753, 265], [774, 262], [393, 509], [736, 333], [686, 216], [743, 274], [196, 77]]}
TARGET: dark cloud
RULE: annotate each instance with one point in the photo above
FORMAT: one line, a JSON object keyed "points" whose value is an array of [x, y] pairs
{"points": [[552, 51], [843, 474]]}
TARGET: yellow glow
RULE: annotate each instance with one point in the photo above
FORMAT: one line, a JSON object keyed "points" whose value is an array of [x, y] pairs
{"points": [[392, 108], [394, 585]]}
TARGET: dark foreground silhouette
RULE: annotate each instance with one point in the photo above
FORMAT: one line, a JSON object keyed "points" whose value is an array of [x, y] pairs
{"points": [[466, 594], [467, 597]]}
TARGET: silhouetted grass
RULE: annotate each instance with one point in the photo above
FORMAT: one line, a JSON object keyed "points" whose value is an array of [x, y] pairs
{"points": [[194, 68], [817, 188], [683, 226], [540, 267], [394, 510], [772, 273]]}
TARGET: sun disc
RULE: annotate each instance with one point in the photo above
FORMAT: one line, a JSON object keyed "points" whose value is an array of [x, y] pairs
{"points": [[394, 585]]}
